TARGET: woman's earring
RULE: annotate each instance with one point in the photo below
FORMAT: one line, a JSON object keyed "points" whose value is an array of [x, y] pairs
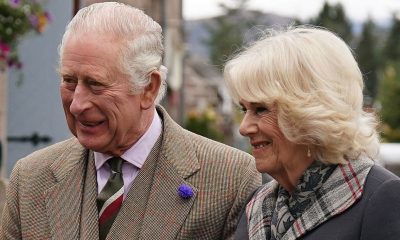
{"points": [[308, 152]]}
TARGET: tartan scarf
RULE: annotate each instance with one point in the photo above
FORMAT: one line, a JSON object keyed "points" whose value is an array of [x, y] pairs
{"points": [[289, 207], [342, 188]]}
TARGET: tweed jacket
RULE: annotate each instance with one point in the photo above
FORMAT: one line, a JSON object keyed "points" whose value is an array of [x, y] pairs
{"points": [[3, 185], [52, 192], [376, 215]]}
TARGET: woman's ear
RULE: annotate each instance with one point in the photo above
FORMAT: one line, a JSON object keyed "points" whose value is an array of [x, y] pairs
{"points": [[150, 92]]}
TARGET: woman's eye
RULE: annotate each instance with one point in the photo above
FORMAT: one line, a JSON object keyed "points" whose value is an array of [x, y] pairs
{"points": [[261, 110], [242, 110]]}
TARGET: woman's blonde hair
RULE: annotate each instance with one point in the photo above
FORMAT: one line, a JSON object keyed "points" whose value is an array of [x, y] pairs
{"points": [[310, 75]]}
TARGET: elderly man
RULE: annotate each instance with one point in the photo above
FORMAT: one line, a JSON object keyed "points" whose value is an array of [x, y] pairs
{"points": [[130, 172]]}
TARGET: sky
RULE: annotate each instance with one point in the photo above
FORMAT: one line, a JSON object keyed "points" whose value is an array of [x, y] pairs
{"points": [[356, 10]]}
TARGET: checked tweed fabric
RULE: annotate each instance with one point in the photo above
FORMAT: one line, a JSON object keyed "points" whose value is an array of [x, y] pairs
{"points": [[110, 198], [52, 193]]}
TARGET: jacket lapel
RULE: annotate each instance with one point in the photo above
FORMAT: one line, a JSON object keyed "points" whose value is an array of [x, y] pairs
{"points": [[89, 218], [166, 210], [153, 209], [129, 221], [63, 199]]}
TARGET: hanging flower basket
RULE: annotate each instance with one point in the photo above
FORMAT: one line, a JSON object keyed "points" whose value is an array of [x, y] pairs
{"points": [[18, 18]]}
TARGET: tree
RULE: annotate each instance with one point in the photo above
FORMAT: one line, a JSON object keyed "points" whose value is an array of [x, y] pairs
{"points": [[224, 41], [390, 101], [334, 18], [367, 58], [389, 91], [391, 51], [227, 33]]}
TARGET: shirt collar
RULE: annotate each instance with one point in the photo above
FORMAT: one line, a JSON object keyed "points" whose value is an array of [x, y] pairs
{"points": [[138, 152]]}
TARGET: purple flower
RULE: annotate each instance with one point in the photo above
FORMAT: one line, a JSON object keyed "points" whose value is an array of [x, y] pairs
{"points": [[34, 20], [185, 191], [48, 16], [15, 3]]}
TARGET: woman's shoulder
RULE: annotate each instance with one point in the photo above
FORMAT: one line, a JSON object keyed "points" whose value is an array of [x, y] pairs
{"points": [[382, 214], [379, 176]]}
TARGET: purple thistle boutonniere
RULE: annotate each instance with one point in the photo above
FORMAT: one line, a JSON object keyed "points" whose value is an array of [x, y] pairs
{"points": [[185, 191]]}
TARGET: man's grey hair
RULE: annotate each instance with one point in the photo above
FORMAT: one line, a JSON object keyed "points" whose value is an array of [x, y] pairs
{"points": [[139, 35]]}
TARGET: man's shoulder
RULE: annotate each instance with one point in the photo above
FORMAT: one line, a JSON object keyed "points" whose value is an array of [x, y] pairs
{"points": [[219, 148], [212, 152], [46, 156], [205, 148]]}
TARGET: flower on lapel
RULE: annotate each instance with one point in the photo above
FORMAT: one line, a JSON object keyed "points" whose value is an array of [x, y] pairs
{"points": [[185, 191]]}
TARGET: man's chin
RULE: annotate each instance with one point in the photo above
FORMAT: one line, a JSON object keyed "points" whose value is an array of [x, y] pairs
{"points": [[92, 144]]}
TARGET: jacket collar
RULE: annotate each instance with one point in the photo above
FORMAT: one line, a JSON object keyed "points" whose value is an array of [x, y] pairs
{"points": [[63, 198], [177, 147]]}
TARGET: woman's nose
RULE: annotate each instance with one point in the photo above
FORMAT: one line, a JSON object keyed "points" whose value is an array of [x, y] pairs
{"points": [[247, 126]]}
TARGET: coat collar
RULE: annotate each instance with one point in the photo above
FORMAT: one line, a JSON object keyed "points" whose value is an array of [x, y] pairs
{"points": [[176, 163], [153, 197], [64, 197], [177, 147]]}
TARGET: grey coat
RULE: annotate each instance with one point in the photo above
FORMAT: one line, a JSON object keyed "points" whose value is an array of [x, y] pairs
{"points": [[375, 216]]}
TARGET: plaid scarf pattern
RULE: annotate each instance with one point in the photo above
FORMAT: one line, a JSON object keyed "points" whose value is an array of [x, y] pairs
{"points": [[342, 189], [289, 207]]}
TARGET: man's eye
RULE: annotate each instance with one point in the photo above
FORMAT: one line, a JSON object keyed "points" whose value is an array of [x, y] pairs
{"points": [[69, 80], [69, 83], [95, 85]]}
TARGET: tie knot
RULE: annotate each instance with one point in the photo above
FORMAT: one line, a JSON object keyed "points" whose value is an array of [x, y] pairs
{"points": [[116, 164]]}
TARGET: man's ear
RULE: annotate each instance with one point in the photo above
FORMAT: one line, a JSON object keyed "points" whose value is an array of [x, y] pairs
{"points": [[150, 92]]}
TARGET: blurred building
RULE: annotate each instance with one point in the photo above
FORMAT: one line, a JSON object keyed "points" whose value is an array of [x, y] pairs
{"points": [[35, 117]]}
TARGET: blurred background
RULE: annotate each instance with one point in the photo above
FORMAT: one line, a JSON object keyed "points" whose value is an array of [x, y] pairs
{"points": [[199, 37]]}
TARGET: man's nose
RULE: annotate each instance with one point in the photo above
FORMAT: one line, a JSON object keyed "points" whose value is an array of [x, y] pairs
{"points": [[81, 100], [247, 126]]}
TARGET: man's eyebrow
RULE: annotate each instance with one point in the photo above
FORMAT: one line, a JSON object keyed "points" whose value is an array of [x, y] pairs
{"points": [[66, 74]]}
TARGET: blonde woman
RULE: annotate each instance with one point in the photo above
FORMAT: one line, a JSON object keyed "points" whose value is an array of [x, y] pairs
{"points": [[301, 94]]}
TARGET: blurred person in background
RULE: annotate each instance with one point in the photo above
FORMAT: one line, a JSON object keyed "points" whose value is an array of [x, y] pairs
{"points": [[301, 94], [130, 171]]}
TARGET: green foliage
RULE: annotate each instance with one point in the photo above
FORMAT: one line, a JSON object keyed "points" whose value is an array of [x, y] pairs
{"points": [[224, 41], [389, 90], [334, 18], [390, 100], [227, 33], [17, 18], [13, 22], [367, 58], [204, 124], [391, 50]]}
